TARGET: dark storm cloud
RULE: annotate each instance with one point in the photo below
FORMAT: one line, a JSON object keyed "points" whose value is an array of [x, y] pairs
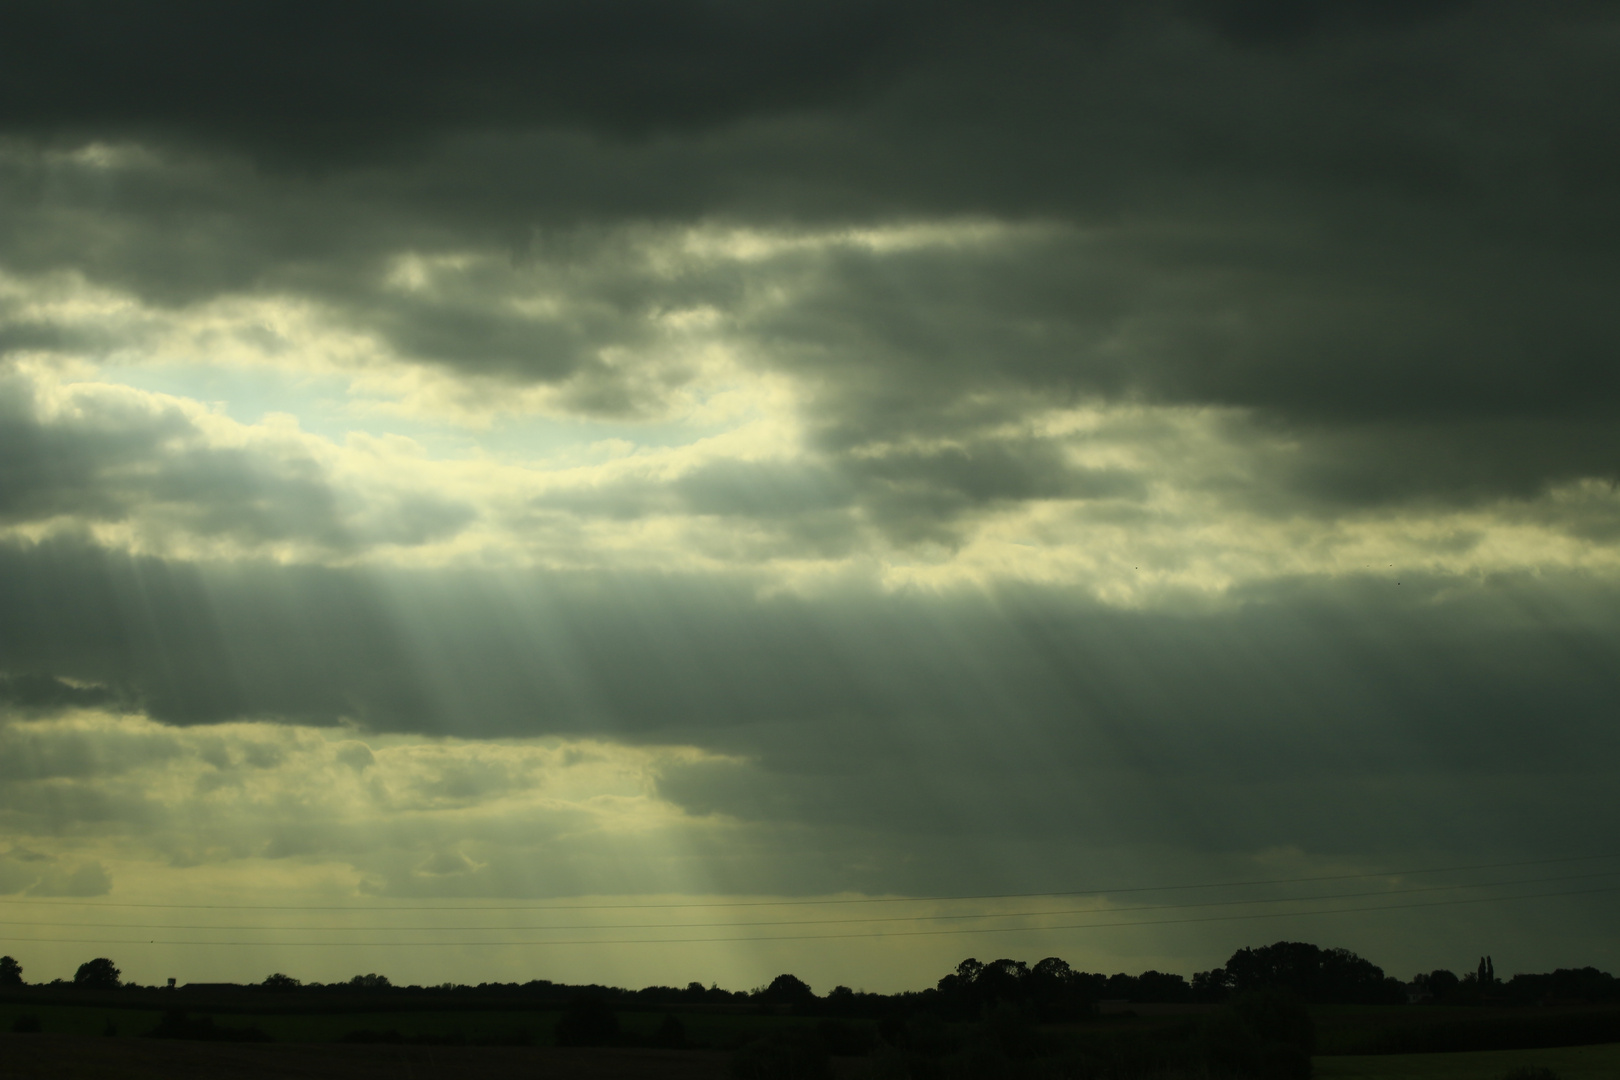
{"points": [[1366, 716], [908, 494], [1371, 677], [922, 494], [1346, 217], [1459, 461], [26, 692], [325, 79]]}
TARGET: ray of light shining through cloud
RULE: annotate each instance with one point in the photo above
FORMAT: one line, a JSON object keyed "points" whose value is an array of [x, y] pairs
{"points": [[658, 491]]}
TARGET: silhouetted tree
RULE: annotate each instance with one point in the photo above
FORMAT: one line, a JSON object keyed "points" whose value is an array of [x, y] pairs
{"points": [[671, 1033], [588, 1022], [957, 992], [1565, 984], [278, 981], [1266, 1035], [370, 982], [1090, 985], [10, 972], [97, 974], [790, 1054], [1277, 1017], [176, 1024], [1439, 984], [1212, 985], [840, 1001], [787, 990], [1314, 974], [1053, 971], [1121, 987], [1161, 988], [1002, 980], [844, 1039], [1056, 991]]}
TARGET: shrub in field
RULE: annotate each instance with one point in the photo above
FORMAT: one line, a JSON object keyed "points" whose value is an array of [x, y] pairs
{"points": [[1277, 1018], [1267, 1034], [844, 1039], [1008, 1030], [790, 1054], [920, 1033], [177, 1025], [671, 1033], [588, 1022]]}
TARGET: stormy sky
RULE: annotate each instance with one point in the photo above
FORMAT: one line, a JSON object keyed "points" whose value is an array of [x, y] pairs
{"points": [[620, 490]]}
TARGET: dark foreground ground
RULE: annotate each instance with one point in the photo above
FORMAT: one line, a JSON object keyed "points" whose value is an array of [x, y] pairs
{"points": [[65, 1057]]}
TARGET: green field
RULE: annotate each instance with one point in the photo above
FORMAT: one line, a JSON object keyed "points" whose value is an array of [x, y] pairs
{"points": [[1569, 1062]]}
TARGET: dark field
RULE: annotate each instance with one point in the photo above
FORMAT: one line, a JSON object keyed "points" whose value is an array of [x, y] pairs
{"points": [[1378, 1029], [71, 1058], [476, 1027], [366, 1037], [1568, 1062]]}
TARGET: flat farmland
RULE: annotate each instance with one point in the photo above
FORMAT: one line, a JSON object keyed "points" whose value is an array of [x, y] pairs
{"points": [[1569, 1062], [64, 1057], [483, 1026]]}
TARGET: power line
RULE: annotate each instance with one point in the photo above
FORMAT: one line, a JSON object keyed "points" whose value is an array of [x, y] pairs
{"points": [[844, 921], [64, 902], [829, 937]]}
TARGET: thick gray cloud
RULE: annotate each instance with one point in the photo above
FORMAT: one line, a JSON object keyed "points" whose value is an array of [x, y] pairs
{"points": [[1375, 678], [29, 692], [1148, 433], [1335, 214], [328, 82], [344, 637]]}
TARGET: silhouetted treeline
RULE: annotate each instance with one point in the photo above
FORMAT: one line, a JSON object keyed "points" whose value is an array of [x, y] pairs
{"points": [[1314, 975], [535, 990], [1564, 986], [1049, 990], [1052, 988]]}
